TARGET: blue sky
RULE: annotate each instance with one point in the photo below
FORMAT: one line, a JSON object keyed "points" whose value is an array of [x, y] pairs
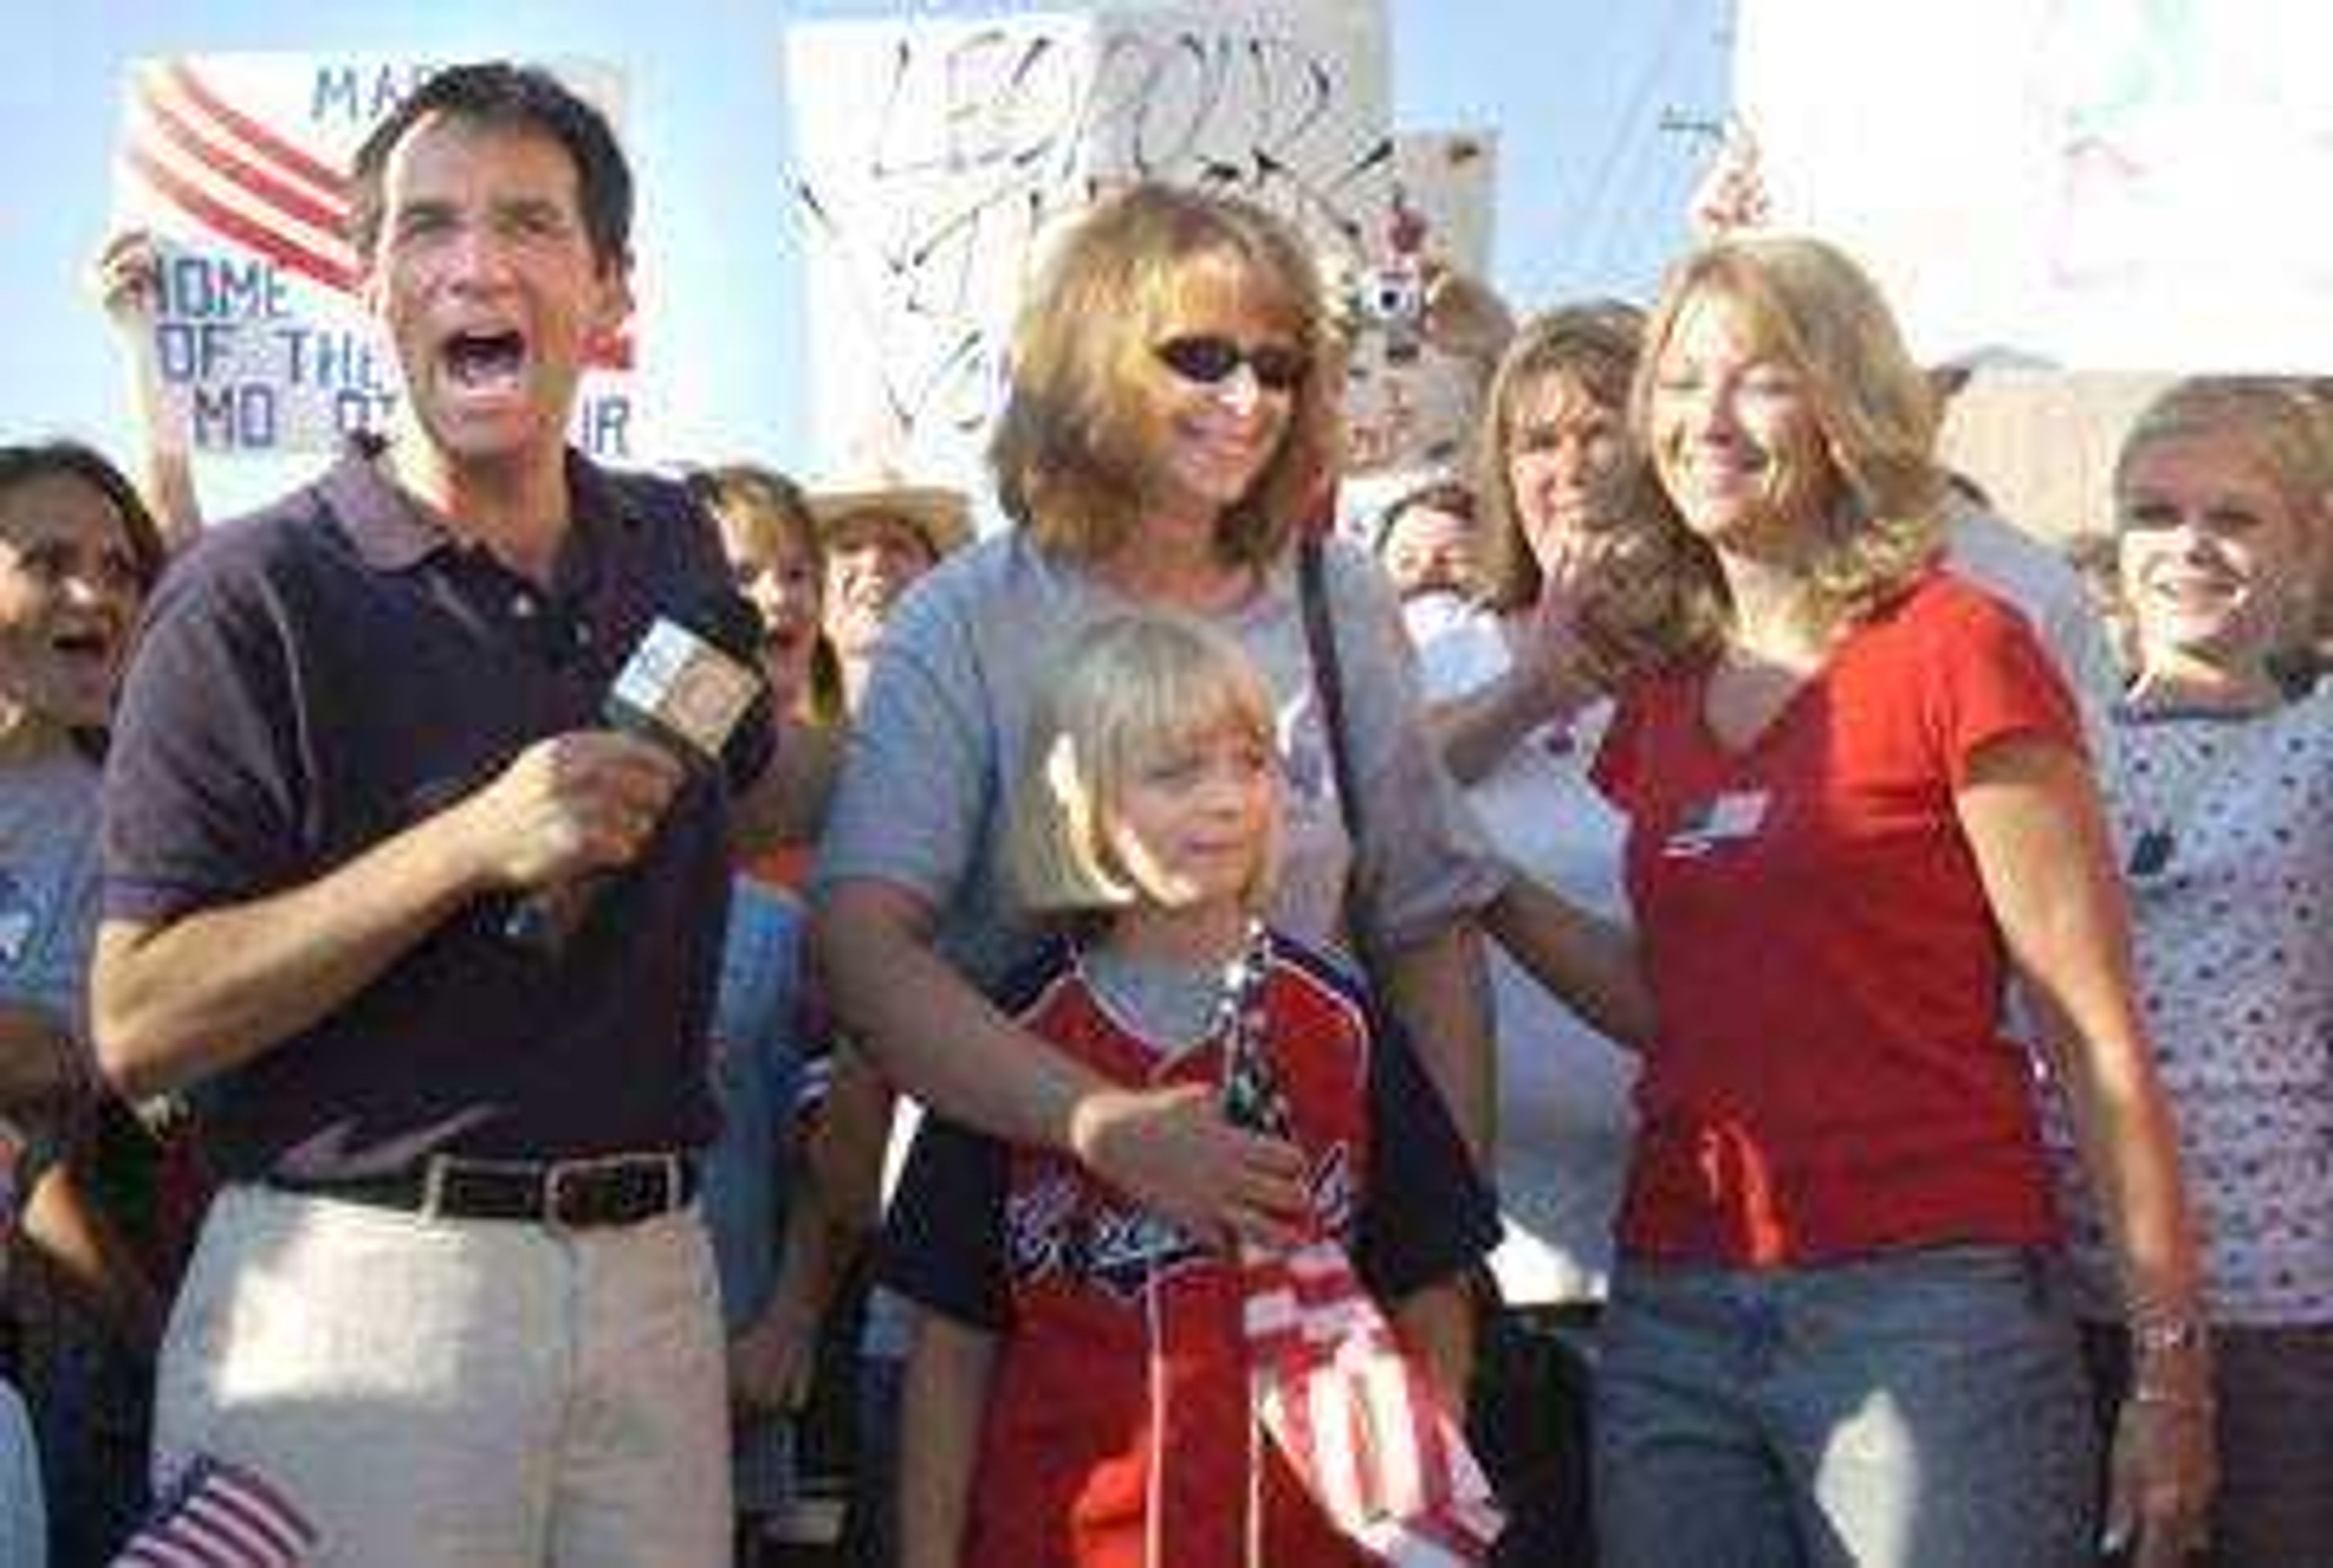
{"points": [[1590, 200]]}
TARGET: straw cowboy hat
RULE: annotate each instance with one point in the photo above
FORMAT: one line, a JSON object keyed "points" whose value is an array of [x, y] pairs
{"points": [[942, 515]]}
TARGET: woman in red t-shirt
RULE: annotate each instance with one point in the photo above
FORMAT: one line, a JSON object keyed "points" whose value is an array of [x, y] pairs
{"points": [[1854, 797]]}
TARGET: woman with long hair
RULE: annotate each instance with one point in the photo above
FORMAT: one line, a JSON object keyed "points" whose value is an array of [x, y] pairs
{"points": [[1857, 796], [1170, 426]]}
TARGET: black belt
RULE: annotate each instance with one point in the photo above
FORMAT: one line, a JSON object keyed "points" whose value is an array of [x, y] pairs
{"points": [[1557, 1319], [563, 1194]]}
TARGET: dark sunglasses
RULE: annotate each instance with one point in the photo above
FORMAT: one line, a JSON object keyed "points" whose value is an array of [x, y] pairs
{"points": [[1206, 360]]}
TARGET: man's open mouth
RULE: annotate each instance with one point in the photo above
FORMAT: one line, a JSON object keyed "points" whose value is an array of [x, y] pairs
{"points": [[486, 360]]}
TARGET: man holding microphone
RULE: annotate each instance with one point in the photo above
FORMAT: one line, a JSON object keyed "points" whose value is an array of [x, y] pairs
{"points": [[431, 942]]}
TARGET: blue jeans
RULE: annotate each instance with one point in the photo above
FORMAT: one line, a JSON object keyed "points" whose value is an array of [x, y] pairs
{"points": [[1920, 1409]]}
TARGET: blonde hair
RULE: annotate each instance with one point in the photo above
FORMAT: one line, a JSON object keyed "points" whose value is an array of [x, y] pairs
{"points": [[1125, 688], [770, 514], [2287, 426], [1806, 303], [1075, 444]]}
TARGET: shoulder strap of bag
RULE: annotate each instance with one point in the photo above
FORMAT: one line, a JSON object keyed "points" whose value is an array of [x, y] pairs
{"points": [[1328, 676]]}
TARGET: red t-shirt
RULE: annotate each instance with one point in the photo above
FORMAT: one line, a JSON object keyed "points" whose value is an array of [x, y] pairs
{"points": [[1828, 1076]]}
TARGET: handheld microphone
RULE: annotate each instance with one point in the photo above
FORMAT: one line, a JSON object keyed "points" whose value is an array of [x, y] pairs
{"points": [[688, 684]]}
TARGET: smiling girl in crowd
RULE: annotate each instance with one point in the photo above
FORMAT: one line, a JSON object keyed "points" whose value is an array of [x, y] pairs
{"points": [[77, 552], [2218, 773]]}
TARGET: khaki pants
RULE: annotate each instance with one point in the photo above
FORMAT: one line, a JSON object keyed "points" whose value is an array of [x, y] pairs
{"points": [[439, 1393]]}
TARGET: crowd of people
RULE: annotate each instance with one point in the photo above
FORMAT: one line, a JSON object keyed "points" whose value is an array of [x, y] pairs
{"points": [[1692, 1005]]}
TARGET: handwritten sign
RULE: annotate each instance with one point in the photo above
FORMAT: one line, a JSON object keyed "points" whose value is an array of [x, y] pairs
{"points": [[2102, 184], [236, 164], [934, 155]]}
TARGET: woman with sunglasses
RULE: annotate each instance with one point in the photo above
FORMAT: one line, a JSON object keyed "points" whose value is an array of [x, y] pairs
{"points": [[1169, 425]]}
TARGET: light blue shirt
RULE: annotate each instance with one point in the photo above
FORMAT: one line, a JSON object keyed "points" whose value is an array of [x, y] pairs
{"points": [[756, 1064]]}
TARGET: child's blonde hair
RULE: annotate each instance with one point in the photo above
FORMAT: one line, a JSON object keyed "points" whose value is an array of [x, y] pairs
{"points": [[1123, 690]]}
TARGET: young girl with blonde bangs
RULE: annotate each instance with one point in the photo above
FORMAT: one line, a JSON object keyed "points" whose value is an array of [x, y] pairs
{"points": [[1087, 1383]]}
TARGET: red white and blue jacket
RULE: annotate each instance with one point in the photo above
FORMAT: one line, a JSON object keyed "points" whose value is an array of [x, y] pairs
{"points": [[1117, 1432]]}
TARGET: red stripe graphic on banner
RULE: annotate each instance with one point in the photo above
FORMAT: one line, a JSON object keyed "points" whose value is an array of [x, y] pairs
{"points": [[226, 221], [331, 184], [224, 160]]}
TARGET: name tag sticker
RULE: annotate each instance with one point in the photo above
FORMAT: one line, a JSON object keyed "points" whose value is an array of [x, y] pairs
{"points": [[1736, 815]]}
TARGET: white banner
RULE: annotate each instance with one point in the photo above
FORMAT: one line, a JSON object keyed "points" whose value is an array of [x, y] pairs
{"points": [[237, 165], [2099, 184], [931, 155]]}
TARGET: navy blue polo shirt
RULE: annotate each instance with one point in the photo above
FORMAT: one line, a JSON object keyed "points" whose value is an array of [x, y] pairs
{"points": [[314, 678]]}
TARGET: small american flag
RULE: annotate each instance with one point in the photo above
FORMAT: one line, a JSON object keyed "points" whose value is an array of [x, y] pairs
{"points": [[216, 1514], [1360, 1420]]}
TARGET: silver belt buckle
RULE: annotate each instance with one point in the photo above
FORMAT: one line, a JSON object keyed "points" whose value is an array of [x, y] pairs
{"points": [[432, 1186], [560, 1172]]}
